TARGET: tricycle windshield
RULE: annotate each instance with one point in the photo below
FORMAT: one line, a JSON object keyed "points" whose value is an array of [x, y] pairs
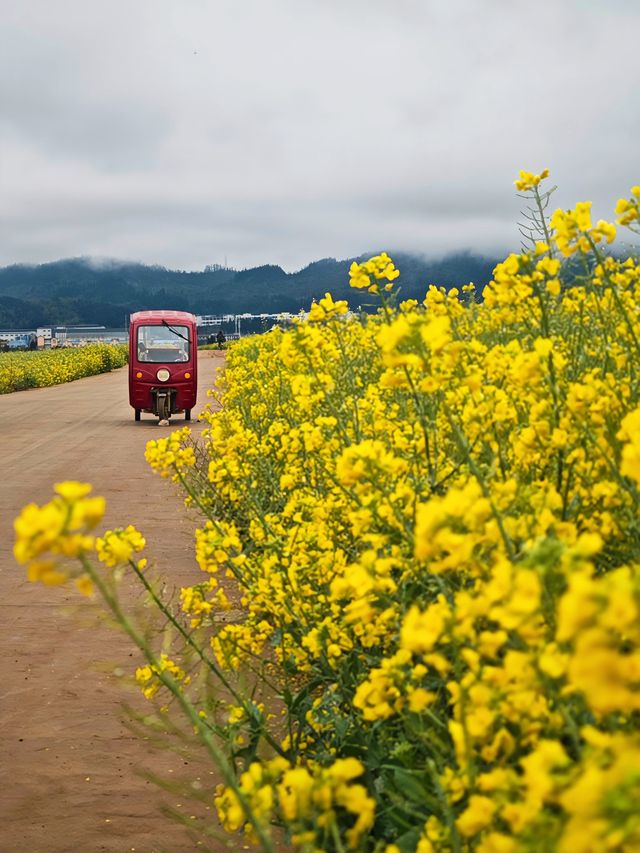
{"points": [[163, 344]]}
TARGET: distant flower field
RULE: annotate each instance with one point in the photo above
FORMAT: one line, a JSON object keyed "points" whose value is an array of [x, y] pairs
{"points": [[431, 516], [22, 370]]}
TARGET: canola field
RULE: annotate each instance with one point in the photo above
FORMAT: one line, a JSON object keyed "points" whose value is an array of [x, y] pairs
{"points": [[431, 516], [22, 370]]}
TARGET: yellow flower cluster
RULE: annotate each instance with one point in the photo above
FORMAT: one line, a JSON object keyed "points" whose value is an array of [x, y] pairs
{"points": [[574, 230], [628, 209], [527, 180], [431, 514], [430, 518], [118, 546], [630, 434], [312, 803], [21, 370], [369, 274], [47, 537], [326, 308], [148, 676], [171, 452]]}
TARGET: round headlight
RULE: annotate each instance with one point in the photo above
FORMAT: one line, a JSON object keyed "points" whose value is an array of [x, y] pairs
{"points": [[163, 374], [138, 375], [187, 376]]}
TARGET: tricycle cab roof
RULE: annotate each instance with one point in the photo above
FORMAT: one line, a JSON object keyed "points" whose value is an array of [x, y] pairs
{"points": [[159, 316]]}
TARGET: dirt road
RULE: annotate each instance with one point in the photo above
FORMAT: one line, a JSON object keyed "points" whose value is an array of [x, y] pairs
{"points": [[69, 780]]}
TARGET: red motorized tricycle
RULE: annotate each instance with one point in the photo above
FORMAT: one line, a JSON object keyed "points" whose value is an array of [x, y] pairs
{"points": [[163, 363]]}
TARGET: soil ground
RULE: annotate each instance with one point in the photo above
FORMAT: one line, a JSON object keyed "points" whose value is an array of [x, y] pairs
{"points": [[70, 780]]}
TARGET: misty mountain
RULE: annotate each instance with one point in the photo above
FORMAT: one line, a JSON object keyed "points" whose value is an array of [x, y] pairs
{"points": [[82, 290]]}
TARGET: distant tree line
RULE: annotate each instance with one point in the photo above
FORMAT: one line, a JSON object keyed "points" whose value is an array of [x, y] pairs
{"points": [[80, 291]]}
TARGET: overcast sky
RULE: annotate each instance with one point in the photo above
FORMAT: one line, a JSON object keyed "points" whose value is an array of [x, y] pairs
{"points": [[181, 132]]}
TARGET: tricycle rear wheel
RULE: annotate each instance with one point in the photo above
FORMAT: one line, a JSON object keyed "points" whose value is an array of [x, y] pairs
{"points": [[137, 415], [187, 414]]}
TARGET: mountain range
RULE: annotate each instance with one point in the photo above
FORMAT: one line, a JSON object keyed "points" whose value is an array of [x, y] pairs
{"points": [[83, 290]]}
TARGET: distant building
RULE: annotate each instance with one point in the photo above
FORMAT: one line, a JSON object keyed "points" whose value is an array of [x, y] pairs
{"points": [[55, 336], [17, 339], [9, 335], [42, 336]]}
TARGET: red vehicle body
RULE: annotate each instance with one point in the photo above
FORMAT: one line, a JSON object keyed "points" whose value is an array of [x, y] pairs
{"points": [[163, 363]]}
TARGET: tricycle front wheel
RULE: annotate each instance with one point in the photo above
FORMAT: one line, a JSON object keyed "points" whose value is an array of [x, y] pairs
{"points": [[164, 407]]}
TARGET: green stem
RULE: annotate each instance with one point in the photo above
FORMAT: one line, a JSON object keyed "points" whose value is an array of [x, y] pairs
{"points": [[336, 838], [188, 638], [219, 758], [543, 221], [447, 812]]}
